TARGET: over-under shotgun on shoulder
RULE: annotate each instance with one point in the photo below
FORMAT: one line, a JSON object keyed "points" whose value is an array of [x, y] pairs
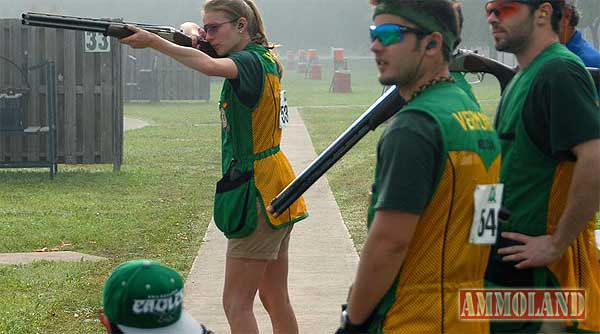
{"points": [[384, 108]]}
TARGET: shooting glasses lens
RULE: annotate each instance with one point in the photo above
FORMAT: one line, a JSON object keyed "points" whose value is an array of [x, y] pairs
{"points": [[214, 27], [503, 9], [388, 33]]}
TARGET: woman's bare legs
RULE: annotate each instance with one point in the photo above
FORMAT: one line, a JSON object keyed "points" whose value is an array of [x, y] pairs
{"points": [[243, 278], [273, 292]]}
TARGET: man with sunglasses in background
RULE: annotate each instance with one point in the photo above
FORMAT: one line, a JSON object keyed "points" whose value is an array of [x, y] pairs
{"points": [[548, 122], [433, 155]]}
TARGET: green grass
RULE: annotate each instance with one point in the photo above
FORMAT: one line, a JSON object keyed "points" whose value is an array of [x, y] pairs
{"points": [[157, 206], [305, 92]]}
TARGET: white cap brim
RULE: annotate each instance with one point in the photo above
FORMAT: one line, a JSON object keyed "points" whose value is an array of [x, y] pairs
{"points": [[185, 325]]}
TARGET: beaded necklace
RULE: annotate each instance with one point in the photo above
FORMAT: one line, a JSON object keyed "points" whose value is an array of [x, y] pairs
{"points": [[429, 84]]}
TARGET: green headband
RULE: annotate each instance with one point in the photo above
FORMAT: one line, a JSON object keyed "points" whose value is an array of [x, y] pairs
{"points": [[424, 21]]}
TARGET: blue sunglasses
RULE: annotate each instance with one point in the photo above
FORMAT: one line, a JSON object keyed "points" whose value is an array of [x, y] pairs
{"points": [[390, 33]]}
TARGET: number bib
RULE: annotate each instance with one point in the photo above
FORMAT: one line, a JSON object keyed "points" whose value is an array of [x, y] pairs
{"points": [[488, 200], [284, 116]]}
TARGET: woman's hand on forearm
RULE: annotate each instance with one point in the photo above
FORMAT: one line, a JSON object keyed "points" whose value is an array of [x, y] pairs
{"points": [[140, 39]]}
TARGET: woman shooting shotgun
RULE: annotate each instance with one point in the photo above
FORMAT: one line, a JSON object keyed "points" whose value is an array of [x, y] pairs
{"points": [[254, 168]]}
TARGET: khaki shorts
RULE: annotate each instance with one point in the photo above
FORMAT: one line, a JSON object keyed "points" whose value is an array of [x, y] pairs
{"points": [[265, 243]]}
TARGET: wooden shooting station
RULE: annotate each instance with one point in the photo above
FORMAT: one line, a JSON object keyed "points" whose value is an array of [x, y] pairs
{"points": [[87, 124], [79, 120]]}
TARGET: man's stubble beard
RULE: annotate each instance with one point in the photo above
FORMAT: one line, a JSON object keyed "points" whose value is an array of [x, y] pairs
{"points": [[519, 39], [406, 77]]}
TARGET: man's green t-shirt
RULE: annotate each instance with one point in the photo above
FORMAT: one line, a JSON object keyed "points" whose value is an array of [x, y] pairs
{"points": [[549, 116], [548, 108], [409, 160]]}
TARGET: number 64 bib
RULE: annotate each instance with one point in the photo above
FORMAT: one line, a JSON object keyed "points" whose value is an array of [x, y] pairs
{"points": [[488, 200]]}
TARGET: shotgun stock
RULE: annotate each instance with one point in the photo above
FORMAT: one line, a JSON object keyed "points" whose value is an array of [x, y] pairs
{"points": [[472, 62], [111, 27]]}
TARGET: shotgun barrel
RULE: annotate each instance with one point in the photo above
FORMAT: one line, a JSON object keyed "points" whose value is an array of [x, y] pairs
{"points": [[385, 107]]}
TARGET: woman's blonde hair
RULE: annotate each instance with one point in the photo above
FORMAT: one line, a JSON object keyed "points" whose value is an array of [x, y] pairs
{"points": [[248, 9]]}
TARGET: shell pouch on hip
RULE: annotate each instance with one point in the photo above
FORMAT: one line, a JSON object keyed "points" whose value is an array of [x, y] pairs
{"points": [[235, 204]]}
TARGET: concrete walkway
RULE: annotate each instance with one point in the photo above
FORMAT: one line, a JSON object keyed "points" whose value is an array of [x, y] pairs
{"points": [[323, 259]]}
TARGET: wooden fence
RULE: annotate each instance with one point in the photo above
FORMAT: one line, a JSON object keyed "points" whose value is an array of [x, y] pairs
{"points": [[90, 108], [149, 75]]}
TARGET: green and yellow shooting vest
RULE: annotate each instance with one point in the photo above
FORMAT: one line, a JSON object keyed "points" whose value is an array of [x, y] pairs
{"points": [[536, 188], [440, 260], [251, 138]]}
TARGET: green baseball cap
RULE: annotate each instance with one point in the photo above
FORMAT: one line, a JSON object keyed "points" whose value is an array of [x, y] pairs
{"points": [[144, 296]]}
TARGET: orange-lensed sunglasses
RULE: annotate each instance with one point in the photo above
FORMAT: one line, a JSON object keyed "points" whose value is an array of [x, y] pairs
{"points": [[503, 10]]}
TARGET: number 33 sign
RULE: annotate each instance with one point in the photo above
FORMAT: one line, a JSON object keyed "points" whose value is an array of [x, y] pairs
{"points": [[96, 42], [488, 199]]}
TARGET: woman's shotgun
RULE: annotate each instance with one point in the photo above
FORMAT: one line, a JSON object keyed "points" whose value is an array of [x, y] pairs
{"points": [[111, 27]]}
